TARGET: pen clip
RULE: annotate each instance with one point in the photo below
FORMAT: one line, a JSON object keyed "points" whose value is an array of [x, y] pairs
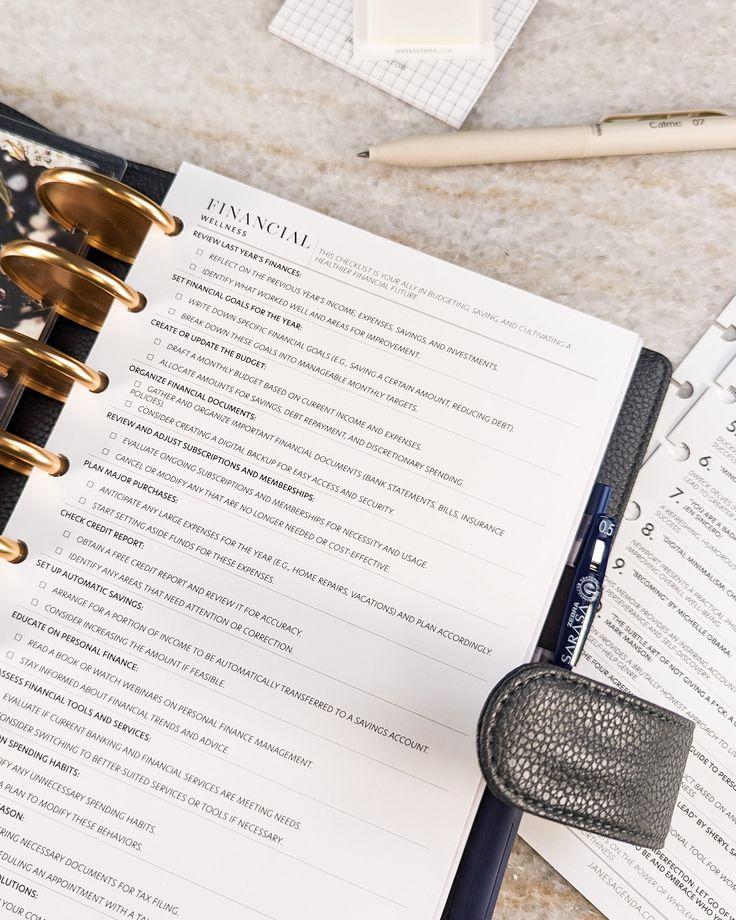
{"points": [[665, 116]]}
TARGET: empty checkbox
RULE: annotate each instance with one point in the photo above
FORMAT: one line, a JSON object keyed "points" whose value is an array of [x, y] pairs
{"points": [[128, 404], [157, 341], [105, 451], [9, 655], [67, 533], [90, 484], [82, 501], [149, 356], [178, 296], [113, 435], [34, 602], [18, 637], [58, 550], [42, 585], [192, 266]]}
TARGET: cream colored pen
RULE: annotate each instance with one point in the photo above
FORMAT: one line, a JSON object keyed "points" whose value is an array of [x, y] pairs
{"points": [[614, 135]]}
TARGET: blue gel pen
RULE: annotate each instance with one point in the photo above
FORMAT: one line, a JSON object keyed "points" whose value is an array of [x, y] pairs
{"points": [[589, 558]]}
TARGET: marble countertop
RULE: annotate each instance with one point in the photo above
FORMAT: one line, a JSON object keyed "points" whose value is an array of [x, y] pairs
{"points": [[647, 242]]}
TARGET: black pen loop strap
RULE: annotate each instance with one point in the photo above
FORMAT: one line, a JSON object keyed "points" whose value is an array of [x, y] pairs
{"points": [[562, 746]]}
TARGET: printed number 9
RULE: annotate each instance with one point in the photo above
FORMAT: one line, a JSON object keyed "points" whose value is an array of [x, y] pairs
{"points": [[618, 563]]}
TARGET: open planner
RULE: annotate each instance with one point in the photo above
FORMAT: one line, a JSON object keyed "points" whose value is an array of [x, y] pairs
{"points": [[309, 498]]}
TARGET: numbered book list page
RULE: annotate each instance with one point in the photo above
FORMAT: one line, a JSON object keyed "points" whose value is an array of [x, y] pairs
{"points": [[667, 632]]}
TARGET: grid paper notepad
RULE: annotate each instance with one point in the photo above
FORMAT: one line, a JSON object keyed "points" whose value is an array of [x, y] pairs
{"points": [[448, 90]]}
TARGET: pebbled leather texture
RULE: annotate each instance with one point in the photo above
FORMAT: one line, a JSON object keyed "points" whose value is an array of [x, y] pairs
{"points": [[634, 426], [565, 747]]}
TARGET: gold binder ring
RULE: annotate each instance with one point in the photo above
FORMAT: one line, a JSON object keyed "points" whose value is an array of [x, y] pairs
{"points": [[44, 368], [73, 286], [23, 456], [12, 550], [115, 217]]}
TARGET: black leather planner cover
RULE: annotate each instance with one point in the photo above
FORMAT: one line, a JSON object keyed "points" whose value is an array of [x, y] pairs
{"points": [[481, 868]]}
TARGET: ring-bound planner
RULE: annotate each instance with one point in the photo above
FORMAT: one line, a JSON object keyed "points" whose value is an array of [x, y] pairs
{"points": [[271, 536]]}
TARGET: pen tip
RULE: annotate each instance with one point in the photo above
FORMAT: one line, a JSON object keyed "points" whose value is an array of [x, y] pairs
{"points": [[364, 154]]}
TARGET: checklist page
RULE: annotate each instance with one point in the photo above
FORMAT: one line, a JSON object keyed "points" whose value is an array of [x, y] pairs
{"points": [[318, 513]]}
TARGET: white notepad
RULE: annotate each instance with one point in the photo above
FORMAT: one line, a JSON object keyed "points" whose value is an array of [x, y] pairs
{"points": [[448, 90]]}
